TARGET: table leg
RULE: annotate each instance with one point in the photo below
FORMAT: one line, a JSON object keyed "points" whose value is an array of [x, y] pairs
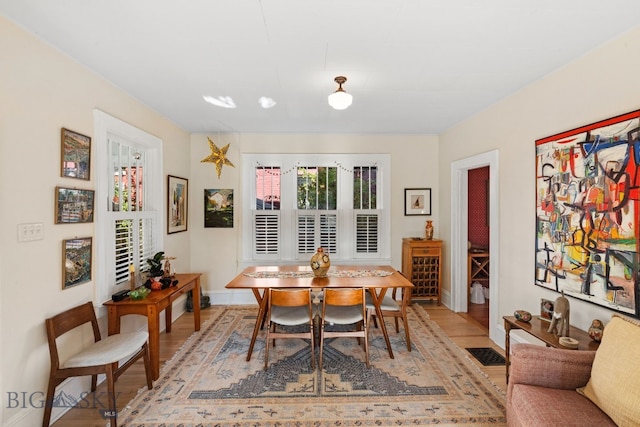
{"points": [[153, 320], [196, 305], [507, 343], [376, 301], [262, 303], [168, 317], [113, 321]]}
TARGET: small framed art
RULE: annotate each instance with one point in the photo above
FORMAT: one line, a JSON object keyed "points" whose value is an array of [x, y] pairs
{"points": [[417, 201], [177, 204], [76, 261], [75, 155], [73, 205], [218, 208]]}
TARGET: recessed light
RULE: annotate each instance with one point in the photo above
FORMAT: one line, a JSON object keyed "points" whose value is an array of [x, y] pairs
{"points": [[221, 101], [266, 102]]}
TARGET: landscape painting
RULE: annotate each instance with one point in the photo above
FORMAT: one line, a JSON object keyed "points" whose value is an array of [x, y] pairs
{"points": [[587, 208], [218, 208]]}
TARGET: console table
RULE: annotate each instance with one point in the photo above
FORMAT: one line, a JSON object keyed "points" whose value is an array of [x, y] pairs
{"points": [[151, 306], [538, 328]]}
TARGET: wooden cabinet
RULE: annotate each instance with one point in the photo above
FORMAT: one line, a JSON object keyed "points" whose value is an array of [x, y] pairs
{"points": [[478, 269], [422, 265]]}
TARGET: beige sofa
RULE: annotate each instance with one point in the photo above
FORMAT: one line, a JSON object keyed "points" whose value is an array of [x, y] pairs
{"points": [[553, 387]]}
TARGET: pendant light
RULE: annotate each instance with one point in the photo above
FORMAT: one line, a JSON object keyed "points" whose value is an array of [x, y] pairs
{"points": [[340, 99]]}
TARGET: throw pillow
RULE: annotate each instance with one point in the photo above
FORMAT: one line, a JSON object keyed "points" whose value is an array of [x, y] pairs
{"points": [[614, 385]]}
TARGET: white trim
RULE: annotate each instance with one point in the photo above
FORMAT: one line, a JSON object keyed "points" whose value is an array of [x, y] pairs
{"points": [[459, 237]]}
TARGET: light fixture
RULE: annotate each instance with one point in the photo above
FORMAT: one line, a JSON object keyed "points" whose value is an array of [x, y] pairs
{"points": [[340, 99], [221, 101]]}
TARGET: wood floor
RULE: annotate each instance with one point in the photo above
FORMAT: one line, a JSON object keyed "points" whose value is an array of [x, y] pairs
{"points": [[461, 328]]}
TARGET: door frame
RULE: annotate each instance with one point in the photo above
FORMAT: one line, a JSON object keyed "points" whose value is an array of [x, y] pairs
{"points": [[460, 236]]}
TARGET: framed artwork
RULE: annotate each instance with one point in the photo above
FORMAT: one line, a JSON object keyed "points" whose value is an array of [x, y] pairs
{"points": [[218, 208], [73, 205], [546, 309], [417, 201], [75, 155], [587, 213], [177, 204], [76, 261]]}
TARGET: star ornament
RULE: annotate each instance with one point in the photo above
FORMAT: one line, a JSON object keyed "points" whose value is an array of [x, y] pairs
{"points": [[217, 156]]}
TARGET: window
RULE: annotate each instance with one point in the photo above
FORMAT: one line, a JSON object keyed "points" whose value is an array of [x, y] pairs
{"points": [[128, 201], [298, 203]]}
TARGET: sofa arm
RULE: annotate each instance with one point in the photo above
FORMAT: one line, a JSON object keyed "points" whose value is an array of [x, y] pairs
{"points": [[549, 367]]}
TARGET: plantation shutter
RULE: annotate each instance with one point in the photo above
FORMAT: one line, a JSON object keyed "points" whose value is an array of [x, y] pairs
{"points": [[267, 233]]}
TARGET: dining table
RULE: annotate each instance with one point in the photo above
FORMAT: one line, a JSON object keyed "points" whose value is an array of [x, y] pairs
{"points": [[377, 279]]}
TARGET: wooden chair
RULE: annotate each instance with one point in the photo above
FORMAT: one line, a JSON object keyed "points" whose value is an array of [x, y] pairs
{"points": [[344, 307], [102, 357], [289, 307], [391, 307]]}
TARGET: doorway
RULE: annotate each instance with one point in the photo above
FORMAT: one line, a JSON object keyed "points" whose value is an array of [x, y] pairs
{"points": [[460, 236], [479, 256]]}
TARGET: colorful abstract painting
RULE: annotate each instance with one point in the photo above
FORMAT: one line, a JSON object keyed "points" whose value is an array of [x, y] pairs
{"points": [[587, 213]]}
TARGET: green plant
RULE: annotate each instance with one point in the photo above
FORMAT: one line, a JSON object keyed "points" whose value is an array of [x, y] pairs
{"points": [[155, 265]]}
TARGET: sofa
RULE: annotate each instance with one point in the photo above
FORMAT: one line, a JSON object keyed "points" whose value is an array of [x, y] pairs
{"points": [[553, 387]]}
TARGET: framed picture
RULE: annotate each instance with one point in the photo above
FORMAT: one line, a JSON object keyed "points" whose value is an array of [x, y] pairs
{"points": [[417, 201], [76, 261], [177, 204], [218, 208], [73, 205], [587, 204], [76, 155], [546, 309]]}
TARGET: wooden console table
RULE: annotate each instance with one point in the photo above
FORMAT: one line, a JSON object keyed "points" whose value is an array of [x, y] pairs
{"points": [[538, 328], [151, 307]]}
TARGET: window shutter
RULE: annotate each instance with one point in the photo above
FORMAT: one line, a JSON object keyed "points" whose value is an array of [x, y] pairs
{"points": [[267, 233], [329, 232], [366, 233], [306, 233]]}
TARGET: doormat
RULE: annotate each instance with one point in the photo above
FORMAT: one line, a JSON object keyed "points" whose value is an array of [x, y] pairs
{"points": [[487, 356]]}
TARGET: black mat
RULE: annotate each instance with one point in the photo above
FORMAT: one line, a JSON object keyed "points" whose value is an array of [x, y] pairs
{"points": [[487, 356]]}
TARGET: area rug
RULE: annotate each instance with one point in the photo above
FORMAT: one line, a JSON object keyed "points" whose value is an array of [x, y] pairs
{"points": [[209, 383], [487, 356]]}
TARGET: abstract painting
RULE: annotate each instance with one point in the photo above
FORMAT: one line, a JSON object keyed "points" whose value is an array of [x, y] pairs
{"points": [[587, 213]]}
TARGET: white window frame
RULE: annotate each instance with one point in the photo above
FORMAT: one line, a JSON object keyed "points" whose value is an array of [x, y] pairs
{"points": [[105, 127], [288, 164]]}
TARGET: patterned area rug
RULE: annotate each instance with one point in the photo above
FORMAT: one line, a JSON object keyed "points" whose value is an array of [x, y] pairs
{"points": [[209, 383]]}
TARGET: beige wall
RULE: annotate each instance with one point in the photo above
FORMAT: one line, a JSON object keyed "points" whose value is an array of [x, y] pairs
{"points": [[599, 85], [216, 251], [42, 90]]}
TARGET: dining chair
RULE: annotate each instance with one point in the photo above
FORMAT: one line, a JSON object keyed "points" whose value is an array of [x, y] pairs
{"points": [[101, 357], [288, 308], [390, 306], [344, 307]]}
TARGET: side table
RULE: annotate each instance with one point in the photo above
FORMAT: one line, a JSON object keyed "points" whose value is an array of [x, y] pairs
{"points": [[538, 328]]}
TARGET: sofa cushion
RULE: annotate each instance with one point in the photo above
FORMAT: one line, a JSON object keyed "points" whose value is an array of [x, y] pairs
{"points": [[615, 376], [531, 405]]}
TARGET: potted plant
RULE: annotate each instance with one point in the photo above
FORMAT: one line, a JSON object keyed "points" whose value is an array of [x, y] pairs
{"points": [[155, 265]]}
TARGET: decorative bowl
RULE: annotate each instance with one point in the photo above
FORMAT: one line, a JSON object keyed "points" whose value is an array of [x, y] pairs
{"points": [[139, 293]]}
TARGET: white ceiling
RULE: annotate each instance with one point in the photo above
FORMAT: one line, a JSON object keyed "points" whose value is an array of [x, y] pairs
{"points": [[413, 66]]}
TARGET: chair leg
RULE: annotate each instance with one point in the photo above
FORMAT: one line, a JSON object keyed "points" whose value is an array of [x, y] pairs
{"points": [[147, 365], [48, 403], [111, 396]]}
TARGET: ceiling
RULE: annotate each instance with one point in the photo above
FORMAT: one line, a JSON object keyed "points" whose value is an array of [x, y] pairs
{"points": [[413, 66]]}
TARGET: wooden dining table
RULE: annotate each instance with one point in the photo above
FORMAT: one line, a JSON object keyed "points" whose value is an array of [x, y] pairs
{"points": [[375, 278]]}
